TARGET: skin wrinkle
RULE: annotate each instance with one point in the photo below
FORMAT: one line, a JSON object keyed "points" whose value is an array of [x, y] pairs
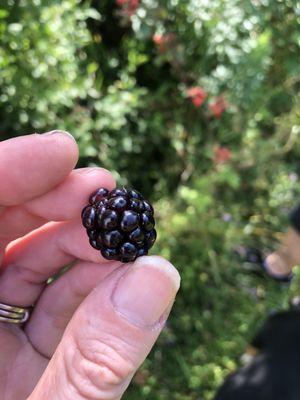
{"points": [[111, 344], [77, 387], [25, 274], [105, 355], [71, 381]]}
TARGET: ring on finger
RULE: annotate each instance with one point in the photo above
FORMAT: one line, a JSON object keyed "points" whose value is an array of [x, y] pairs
{"points": [[13, 314]]}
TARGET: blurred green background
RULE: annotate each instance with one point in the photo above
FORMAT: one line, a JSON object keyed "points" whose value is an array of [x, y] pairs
{"points": [[196, 104]]}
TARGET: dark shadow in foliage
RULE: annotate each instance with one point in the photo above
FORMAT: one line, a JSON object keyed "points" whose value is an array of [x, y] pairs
{"points": [[273, 374]]}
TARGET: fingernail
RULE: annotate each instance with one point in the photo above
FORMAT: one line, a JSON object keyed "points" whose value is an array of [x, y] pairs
{"points": [[58, 132], [146, 291], [89, 170]]}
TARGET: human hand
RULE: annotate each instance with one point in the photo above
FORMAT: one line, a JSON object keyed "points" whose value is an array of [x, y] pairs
{"points": [[90, 329]]}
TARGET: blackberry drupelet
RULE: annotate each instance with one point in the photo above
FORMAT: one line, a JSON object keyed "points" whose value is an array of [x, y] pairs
{"points": [[119, 223]]}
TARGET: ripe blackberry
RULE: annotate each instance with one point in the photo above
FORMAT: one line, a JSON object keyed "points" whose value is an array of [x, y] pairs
{"points": [[119, 223]]}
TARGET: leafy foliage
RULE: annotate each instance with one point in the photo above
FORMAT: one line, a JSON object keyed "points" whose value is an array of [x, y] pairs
{"points": [[196, 104]]}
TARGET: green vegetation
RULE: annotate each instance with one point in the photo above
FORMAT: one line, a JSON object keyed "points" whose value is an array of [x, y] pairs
{"points": [[196, 104]]}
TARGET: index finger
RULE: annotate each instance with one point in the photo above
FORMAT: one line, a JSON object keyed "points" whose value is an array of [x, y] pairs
{"points": [[32, 165]]}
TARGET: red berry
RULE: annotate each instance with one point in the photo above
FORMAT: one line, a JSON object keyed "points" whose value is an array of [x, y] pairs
{"points": [[222, 155], [164, 41], [157, 38], [197, 95], [134, 3], [218, 106]]}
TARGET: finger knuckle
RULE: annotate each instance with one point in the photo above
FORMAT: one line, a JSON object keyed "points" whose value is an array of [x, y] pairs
{"points": [[24, 274], [109, 365], [98, 370]]}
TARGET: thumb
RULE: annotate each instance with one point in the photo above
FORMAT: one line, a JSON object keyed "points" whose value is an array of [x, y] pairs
{"points": [[111, 333]]}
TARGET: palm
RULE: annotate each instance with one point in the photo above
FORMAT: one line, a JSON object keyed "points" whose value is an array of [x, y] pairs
{"points": [[18, 359]]}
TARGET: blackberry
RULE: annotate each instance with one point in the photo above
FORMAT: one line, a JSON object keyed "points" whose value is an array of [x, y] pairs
{"points": [[119, 223]]}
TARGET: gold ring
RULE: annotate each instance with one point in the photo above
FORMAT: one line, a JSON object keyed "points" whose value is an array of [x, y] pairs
{"points": [[13, 314]]}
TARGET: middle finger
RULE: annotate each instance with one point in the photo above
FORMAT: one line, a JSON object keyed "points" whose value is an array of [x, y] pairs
{"points": [[30, 261]]}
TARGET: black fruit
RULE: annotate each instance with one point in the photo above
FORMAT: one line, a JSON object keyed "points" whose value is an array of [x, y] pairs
{"points": [[119, 223]]}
